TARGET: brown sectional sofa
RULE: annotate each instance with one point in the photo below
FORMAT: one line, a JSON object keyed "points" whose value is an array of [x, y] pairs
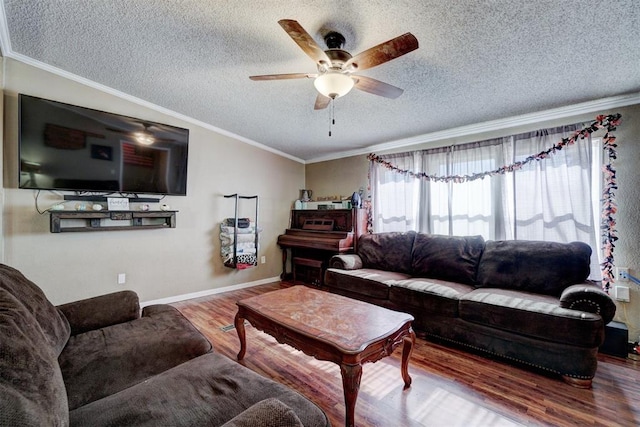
{"points": [[99, 362], [526, 301]]}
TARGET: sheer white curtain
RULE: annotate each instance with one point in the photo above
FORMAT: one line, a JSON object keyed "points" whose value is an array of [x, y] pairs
{"points": [[402, 203], [550, 199], [480, 206], [395, 198], [553, 197]]}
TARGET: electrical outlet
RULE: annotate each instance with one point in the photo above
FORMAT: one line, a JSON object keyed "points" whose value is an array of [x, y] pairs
{"points": [[122, 278], [622, 293], [263, 259], [622, 274]]}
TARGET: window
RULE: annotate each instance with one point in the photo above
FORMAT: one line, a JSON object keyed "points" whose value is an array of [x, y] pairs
{"points": [[554, 199]]}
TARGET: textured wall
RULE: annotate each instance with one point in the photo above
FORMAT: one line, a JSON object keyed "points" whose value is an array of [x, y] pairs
{"points": [[627, 251], [338, 176], [158, 263]]}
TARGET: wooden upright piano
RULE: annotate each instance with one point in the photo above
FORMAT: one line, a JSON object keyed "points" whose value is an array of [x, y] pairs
{"points": [[320, 234]]}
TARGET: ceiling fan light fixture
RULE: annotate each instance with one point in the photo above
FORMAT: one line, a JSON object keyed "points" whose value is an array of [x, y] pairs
{"points": [[333, 84], [144, 138]]}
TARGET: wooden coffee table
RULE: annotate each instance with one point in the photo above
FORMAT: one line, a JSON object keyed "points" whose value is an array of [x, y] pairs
{"points": [[330, 327]]}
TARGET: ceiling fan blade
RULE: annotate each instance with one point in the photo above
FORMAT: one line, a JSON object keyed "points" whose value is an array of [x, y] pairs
{"points": [[304, 40], [376, 87], [383, 52], [284, 76], [322, 102]]}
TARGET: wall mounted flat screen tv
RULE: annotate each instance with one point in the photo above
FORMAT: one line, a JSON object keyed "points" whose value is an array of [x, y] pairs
{"points": [[66, 147]]}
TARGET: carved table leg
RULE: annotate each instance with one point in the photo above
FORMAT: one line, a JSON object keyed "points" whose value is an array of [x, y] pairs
{"points": [[351, 375], [407, 349], [239, 324]]}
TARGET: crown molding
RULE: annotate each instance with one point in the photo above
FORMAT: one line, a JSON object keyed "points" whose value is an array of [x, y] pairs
{"points": [[5, 40], [7, 52], [488, 126], [493, 125], [143, 103]]}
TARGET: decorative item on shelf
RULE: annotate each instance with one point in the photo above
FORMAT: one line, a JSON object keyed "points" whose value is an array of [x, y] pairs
{"points": [[165, 207], [70, 221], [81, 207], [305, 195], [96, 207], [118, 203], [144, 207], [356, 200], [328, 198], [297, 205]]}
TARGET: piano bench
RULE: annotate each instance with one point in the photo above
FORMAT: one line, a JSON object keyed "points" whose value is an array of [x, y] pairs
{"points": [[310, 266]]}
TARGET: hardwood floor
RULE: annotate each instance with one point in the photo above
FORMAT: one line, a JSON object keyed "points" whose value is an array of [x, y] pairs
{"points": [[451, 387]]}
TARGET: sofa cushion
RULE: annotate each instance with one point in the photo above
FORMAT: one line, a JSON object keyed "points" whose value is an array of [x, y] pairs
{"points": [[533, 266], [387, 251], [267, 413], [101, 362], [53, 323], [31, 388], [371, 283], [452, 258], [206, 391], [432, 296], [533, 315]]}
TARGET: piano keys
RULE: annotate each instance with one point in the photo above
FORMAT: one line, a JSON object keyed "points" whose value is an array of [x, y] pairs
{"points": [[320, 234]]}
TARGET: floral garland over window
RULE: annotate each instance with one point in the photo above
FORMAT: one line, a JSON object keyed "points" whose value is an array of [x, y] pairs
{"points": [[609, 207]]}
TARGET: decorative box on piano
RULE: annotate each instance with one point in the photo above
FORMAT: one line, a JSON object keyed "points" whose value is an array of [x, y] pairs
{"points": [[319, 234]]}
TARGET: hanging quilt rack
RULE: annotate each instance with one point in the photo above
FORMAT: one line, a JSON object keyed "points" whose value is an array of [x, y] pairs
{"points": [[239, 237]]}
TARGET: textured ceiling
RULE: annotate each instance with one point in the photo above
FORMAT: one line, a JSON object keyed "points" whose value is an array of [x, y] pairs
{"points": [[478, 60]]}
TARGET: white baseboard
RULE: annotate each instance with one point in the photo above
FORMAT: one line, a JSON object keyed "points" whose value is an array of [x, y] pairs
{"points": [[208, 292]]}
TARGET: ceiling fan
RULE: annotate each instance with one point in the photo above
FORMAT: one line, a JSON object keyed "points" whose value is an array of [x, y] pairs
{"points": [[335, 76], [143, 136]]}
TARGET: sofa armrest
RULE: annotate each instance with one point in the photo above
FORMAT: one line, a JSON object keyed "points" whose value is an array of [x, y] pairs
{"points": [[267, 413], [101, 311], [589, 297], [346, 262]]}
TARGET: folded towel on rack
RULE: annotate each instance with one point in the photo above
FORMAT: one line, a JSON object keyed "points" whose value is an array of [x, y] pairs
{"points": [[239, 248], [248, 230], [248, 245], [241, 262], [227, 239], [225, 250]]}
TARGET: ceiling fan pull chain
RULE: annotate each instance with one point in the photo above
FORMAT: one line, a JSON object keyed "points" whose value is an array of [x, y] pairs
{"points": [[333, 111], [332, 120]]}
